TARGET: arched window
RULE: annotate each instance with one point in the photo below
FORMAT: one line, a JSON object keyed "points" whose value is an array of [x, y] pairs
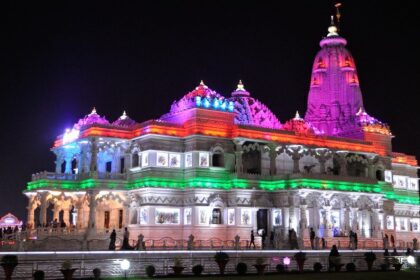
{"points": [[135, 160], [218, 159]]}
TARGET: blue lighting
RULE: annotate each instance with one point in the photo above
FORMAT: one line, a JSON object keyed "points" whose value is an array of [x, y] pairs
{"points": [[230, 107], [206, 103], [214, 103], [198, 101]]}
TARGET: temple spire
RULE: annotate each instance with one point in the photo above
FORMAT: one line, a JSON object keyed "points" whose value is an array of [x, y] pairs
{"points": [[297, 116], [93, 111]]}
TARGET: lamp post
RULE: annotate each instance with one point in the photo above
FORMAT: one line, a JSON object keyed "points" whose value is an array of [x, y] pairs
{"points": [[125, 265]]}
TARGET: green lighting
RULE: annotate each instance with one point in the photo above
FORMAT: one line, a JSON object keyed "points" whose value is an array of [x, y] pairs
{"points": [[227, 183]]}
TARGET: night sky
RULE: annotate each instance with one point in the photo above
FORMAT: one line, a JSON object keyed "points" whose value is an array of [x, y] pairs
{"points": [[59, 60]]}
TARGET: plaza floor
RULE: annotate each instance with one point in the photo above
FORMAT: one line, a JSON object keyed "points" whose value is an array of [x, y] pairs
{"points": [[391, 275]]}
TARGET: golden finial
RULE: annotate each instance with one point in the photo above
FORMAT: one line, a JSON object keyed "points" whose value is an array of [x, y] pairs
{"points": [[297, 116], [124, 115], [240, 86], [202, 83], [93, 111]]}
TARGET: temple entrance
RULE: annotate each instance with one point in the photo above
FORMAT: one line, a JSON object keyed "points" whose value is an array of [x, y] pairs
{"points": [[106, 219], [120, 218]]}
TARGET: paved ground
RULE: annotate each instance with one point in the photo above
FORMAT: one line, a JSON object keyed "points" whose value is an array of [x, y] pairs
{"points": [[313, 276]]}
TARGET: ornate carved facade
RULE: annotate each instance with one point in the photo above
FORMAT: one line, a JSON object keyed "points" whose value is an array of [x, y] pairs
{"points": [[217, 167]]}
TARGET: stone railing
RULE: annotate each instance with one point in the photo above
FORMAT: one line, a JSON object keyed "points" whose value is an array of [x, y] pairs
{"points": [[81, 176]]}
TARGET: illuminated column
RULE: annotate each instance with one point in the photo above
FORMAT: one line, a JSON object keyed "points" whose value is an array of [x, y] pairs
{"points": [[303, 224], [273, 156], [68, 165], [94, 157], [322, 155], [128, 162], [354, 211], [126, 214], [31, 213], [79, 220], [295, 153], [66, 215], [238, 158], [376, 224], [43, 209], [327, 221], [56, 211], [292, 218], [92, 210], [346, 221], [58, 163]]}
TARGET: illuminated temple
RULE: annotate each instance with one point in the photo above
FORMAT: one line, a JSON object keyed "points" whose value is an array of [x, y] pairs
{"points": [[220, 165]]}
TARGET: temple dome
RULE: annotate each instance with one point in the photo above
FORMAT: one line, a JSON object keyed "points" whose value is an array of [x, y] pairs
{"points": [[300, 126], [92, 118], [334, 95], [188, 101], [371, 124], [124, 121], [250, 111]]}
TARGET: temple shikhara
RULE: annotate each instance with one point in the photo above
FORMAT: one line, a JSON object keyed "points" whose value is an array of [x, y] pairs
{"points": [[217, 166]]}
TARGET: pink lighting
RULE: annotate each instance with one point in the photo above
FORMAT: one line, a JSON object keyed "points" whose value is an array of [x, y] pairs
{"points": [[286, 261]]}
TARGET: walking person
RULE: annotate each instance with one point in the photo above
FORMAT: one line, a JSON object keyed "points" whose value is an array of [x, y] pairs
{"points": [[312, 238], [386, 241], [272, 239], [112, 239], [351, 240], [126, 244], [252, 242], [355, 240]]}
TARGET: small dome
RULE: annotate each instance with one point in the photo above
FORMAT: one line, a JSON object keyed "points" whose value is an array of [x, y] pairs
{"points": [[92, 118], [201, 94], [250, 111], [124, 121], [371, 124], [300, 126]]}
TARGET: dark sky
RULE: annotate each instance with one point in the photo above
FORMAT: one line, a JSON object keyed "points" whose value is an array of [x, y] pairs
{"points": [[61, 59]]}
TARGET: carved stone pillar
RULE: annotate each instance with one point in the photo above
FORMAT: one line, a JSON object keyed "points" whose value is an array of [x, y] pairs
{"points": [[43, 209], [303, 223], [58, 163], [66, 216], [56, 212], [346, 221], [327, 221], [273, 156], [376, 224], [92, 210], [354, 211], [94, 157], [322, 155], [295, 153], [31, 213], [238, 158], [68, 165]]}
